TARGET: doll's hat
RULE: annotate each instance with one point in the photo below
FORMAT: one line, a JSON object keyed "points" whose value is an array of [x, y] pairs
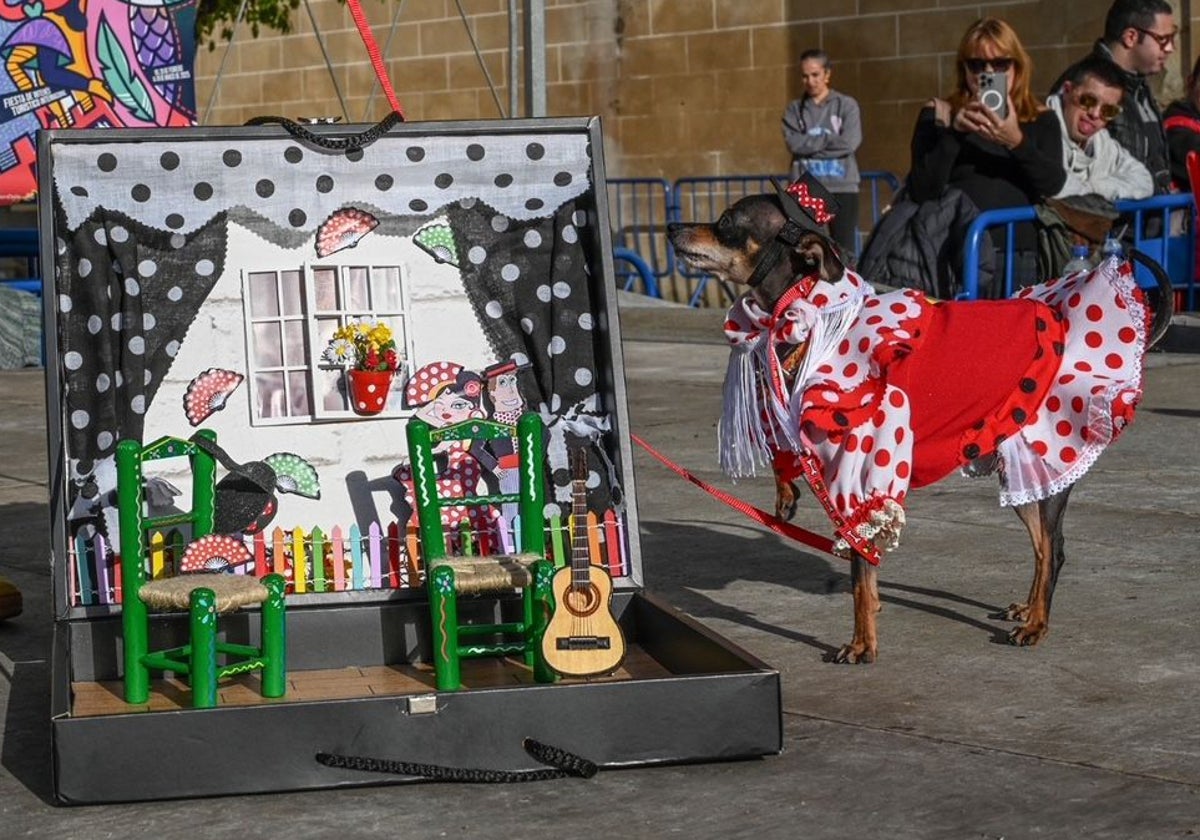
{"points": [[245, 497]]}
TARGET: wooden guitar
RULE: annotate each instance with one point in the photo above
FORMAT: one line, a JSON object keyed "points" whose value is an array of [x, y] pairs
{"points": [[582, 638]]}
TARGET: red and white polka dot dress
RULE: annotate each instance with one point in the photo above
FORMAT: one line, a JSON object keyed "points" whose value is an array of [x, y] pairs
{"points": [[905, 390], [460, 478]]}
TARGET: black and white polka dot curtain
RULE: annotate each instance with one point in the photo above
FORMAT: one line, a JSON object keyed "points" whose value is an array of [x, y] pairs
{"points": [[126, 295], [529, 286]]}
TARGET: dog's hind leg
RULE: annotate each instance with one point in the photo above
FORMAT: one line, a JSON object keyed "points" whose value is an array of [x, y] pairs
{"points": [[1043, 520], [864, 580]]}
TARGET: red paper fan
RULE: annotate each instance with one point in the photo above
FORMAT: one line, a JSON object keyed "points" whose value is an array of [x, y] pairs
{"points": [[343, 229], [209, 392], [215, 553]]}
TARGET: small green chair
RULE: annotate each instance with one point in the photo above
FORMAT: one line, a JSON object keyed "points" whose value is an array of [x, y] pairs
{"points": [[448, 577], [202, 595]]}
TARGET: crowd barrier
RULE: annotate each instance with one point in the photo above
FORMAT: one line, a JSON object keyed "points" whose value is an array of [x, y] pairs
{"points": [[1173, 246], [641, 208]]}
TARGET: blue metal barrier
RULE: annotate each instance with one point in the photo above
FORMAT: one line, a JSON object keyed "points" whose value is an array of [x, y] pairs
{"points": [[1009, 217], [1176, 254], [641, 271], [22, 244], [639, 211], [872, 179]]}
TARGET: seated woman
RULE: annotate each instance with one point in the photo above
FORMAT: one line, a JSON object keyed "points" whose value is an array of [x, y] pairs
{"points": [[967, 158]]}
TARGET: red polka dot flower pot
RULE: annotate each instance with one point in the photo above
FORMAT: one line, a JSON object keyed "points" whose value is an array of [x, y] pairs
{"points": [[369, 390]]}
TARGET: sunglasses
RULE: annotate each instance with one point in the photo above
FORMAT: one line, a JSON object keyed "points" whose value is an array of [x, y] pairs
{"points": [[988, 65], [1089, 102], [1163, 41]]}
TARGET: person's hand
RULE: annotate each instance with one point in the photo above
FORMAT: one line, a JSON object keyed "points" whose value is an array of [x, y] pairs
{"points": [[973, 118]]}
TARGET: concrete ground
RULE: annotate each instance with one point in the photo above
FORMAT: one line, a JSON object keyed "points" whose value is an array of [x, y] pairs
{"points": [[951, 734]]}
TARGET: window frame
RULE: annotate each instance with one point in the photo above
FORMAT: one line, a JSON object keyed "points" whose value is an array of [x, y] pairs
{"points": [[314, 321]]}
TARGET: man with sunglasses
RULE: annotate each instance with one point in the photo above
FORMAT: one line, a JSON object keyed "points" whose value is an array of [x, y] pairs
{"points": [[1139, 35], [1095, 163]]}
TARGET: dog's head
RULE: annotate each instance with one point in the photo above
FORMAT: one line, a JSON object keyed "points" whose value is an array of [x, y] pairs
{"points": [[748, 235]]}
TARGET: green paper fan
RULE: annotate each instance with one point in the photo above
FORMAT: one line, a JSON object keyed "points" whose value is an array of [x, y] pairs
{"points": [[293, 474], [438, 241]]}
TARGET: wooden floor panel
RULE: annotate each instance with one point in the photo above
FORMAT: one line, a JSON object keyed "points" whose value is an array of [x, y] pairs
{"points": [[171, 693]]}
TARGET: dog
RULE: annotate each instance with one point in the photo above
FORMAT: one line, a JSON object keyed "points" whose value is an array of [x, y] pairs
{"points": [[864, 395]]}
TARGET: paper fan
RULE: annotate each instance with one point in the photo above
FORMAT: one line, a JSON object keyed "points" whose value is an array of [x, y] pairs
{"points": [[343, 229], [209, 392], [293, 474], [438, 241], [215, 553]]}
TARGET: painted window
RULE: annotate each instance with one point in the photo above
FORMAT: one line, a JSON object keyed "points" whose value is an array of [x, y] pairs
{"points": [[291, 314]]}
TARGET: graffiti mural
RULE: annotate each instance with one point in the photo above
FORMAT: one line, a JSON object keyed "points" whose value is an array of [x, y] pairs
{"points": [[89, 64]]}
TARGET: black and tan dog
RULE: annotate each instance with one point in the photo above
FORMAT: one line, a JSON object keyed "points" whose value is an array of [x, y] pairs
{"points": [[831, 375]]}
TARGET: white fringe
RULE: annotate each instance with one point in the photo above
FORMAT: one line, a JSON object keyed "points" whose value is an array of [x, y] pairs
{"points": [[744, 441]]}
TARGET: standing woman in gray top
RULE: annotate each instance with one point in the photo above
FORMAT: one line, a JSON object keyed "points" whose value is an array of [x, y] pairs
{"points": [[823, 129]]}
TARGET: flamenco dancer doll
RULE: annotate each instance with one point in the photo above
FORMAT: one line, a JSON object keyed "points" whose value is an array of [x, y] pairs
{"points": [[865, 396], [445, 393]]}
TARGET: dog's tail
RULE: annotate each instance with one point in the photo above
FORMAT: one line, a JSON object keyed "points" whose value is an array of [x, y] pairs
{"points": [[1163, 297]]}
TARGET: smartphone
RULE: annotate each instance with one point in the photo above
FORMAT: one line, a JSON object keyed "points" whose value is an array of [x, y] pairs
{"points": [[993, 93]]}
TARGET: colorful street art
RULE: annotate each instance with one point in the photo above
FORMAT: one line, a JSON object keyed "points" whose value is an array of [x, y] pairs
{"points": [[89, 64]]}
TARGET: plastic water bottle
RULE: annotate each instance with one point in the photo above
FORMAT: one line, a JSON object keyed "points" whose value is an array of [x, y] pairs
{"points": [[1081, 260], [1112, 248]]}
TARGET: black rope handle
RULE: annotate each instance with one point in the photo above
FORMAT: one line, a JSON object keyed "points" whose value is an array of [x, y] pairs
{"points": [[560, 763], [334, 144]]}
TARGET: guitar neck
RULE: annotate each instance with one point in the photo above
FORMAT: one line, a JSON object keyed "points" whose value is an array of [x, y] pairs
{"points": [[580, 559]]}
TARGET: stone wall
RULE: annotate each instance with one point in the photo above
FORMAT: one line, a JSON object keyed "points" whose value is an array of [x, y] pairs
{"points": [[685, 87]]}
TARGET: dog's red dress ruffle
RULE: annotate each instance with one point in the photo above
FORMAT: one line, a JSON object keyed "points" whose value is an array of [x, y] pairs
{"points": [[866, 396]]}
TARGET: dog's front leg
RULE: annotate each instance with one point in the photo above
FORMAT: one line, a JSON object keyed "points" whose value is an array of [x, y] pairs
{"points": [[785, 498], [864, 581], [1034, 613]]}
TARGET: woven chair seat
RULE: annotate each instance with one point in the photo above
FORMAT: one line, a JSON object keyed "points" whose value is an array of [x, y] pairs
{"points": [[175, 593], [489, 573]]}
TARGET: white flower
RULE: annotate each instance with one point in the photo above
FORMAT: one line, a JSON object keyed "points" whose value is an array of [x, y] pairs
{"points": [[339, 352]]}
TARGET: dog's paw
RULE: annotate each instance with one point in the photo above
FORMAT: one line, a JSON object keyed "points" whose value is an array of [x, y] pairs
{"points": [[854, 654], [1028, 635], [1015, 612]]}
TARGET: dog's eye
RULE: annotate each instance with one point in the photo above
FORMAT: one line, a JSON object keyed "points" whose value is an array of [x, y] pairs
{"points": [[724, 222]]}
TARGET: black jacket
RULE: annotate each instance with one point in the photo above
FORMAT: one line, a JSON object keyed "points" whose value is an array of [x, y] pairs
{"points": [[919, 245], [1139, 126]]}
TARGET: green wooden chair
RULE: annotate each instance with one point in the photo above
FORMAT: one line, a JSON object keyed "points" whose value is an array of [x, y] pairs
{"points": [[449, 577], [202, 595]]}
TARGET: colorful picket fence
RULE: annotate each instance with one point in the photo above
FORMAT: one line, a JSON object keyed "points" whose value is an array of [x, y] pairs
{"points": [[342, 560]]}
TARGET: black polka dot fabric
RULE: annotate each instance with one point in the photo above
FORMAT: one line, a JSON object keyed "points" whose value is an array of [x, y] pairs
{"points": [[297, 187], [529, 286], [126, 296]]}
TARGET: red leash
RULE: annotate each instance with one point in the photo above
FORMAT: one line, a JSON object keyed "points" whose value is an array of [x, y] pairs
{"points": [[364, 31], [760, 516]]}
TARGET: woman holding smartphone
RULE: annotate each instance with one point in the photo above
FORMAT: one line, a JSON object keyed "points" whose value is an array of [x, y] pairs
{"points": [[961, 147]]}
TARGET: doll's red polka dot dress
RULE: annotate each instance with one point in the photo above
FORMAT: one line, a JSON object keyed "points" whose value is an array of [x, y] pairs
{"points": [[866, 396]]}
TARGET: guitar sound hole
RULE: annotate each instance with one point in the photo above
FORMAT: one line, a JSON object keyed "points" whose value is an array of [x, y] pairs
{"points": [[582, 601]]}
